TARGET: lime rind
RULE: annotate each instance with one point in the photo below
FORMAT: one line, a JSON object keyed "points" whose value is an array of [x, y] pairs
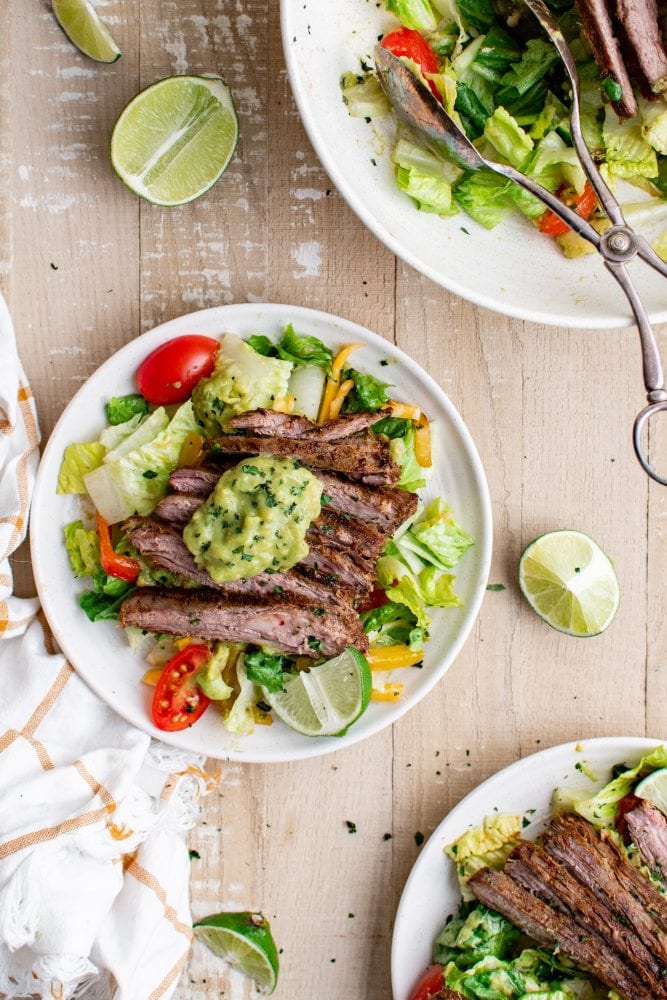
{"points": [[653, 789], [175, 139], [245, 942], [570, 582], [86, 30]]}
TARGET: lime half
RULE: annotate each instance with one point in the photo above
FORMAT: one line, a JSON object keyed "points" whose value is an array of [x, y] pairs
{"points": [[325, 700], [567, 578], [654, 789], [244, 940], [85, 29], [174, 140]]}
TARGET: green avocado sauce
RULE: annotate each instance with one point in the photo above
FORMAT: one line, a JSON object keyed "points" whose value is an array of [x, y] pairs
{"points": [[255, 520]]}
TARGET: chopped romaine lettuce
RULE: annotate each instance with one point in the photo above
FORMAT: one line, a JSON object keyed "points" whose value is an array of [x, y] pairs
{"points": [[468, 940], [554, 164], [103, 602], [78, 461], [135, 482], [403, 452], [392, 625], [601, 809], [473, 112], [392, 427], [417, 588], [263, 345], [436, 537], [424, 177], [242, 380], [486, 846], [628, 153], [83, 548], [660, 245], [497, 53], [536, 61], [484, 196], [363, 96], [240, 719], [654, 127], [304, 350], [210, 679], [120, 409], [112, 436], [368, 394], [267, 669], [507, 138], [413, 13], [146, 431], [494, 979], [478, 16]]}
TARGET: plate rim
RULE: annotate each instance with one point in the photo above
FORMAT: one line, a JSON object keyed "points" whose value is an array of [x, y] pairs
{"points": [[530, 761], [384, 235], [312, 748]]}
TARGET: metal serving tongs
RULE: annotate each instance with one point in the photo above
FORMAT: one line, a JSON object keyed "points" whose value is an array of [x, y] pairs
{"points": [[417, 107]]}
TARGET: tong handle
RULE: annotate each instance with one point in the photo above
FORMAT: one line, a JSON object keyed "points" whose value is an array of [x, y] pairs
{"points": [[559, 208]]}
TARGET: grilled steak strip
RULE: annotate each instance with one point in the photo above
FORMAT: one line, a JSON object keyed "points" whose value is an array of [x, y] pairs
{"points": [[335, 567], [597, 25], [268, 423], [537, 872], [552, 930], [648, 829], [341, 531], [387, 508], [597, 863], [649, 59], [296, 626], [163, 547], [178, 508], [362, 456]]}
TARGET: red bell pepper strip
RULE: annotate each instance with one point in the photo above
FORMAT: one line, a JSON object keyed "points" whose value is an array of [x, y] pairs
{"points": [[123, 567]]}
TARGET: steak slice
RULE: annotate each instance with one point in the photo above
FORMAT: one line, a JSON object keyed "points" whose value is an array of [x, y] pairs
{"points": [[178, 508], [598, 864], [640, 21], [648, 829], [269, 423], [163, 547], [296, 626], [361, 456], [553, 930], [335, 567], [340, 531], [536, 871], [194, 480], [597, 25], [387, 508]]}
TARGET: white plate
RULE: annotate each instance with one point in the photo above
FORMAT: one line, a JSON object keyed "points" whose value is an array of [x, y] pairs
{"points": [[100, 652], [432, 893], [513, 269]]}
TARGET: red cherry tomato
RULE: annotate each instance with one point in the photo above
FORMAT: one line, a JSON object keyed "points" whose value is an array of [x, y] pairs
{"points": [[583, 204], [178, 702], [376, 599], [170, 372], [625, 806], [409, 43], [430, 984]]}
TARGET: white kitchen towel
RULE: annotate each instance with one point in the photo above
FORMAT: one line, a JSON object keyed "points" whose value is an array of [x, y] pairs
{"points": [[93, 864]]}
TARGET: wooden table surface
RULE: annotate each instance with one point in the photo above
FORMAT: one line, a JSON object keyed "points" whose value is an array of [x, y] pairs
{"points": [[87, 266]]}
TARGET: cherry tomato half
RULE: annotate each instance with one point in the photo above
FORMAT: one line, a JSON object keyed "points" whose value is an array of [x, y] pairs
{"points": [[170, 372], [583, 204], [409, 43], [178, 702], [430, 984]]}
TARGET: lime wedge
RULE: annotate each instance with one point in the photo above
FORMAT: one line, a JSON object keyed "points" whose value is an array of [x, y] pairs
{"points": [[85, 29], [174, 140], [244, 940], [325, 700], [654, 789], [567, 578]]}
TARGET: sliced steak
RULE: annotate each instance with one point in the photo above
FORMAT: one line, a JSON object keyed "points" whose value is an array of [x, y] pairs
{"points": [[335, 567], [553, 930], [387, 508], [361, 456], [296, 626], [598, 27], [270, 423], [199, 482], [162, 547], [648, 829], [649, 59], [340, 531], [598, 864], [538, 872], [178, 508]]}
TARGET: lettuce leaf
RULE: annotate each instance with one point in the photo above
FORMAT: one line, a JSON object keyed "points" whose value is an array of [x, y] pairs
{"points": [[416, 589], [507, 138], [425, 178], [210, 679], [240, 719], [113, 435], [78, 461], [441, 539], [145, 431], [363, 96], [537, 59], [413, 14], [628, 153], [393, 624], [102, 603], [402, 451], [304, 350], [120, 409], [484, 196], [654, 124], [83, 548], [267, 669], [368, 394], [601, 809], [486, 846]]}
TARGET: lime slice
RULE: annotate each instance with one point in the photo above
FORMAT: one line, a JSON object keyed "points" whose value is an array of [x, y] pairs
{"points": [[85, 29], [325, 700], [567, 578], [654, 789], [244, 940], [174, 140]]}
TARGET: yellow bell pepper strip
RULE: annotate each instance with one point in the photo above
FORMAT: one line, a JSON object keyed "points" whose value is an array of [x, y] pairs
{"points": [[191, 450], [339, 399], [152, 676], [332, 385], [390, 692], [423, 443], [404, 411], [393, 657]]}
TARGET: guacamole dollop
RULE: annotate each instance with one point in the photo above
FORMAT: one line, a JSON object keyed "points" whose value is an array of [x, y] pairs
{"points": [[255, 520]]}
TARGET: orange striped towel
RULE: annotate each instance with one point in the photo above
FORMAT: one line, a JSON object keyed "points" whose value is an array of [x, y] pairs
{"points": [[93, 866]]}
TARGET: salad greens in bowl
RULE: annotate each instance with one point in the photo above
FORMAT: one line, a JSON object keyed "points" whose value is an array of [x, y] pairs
{"points": [[502, 81], [247, 540]]}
